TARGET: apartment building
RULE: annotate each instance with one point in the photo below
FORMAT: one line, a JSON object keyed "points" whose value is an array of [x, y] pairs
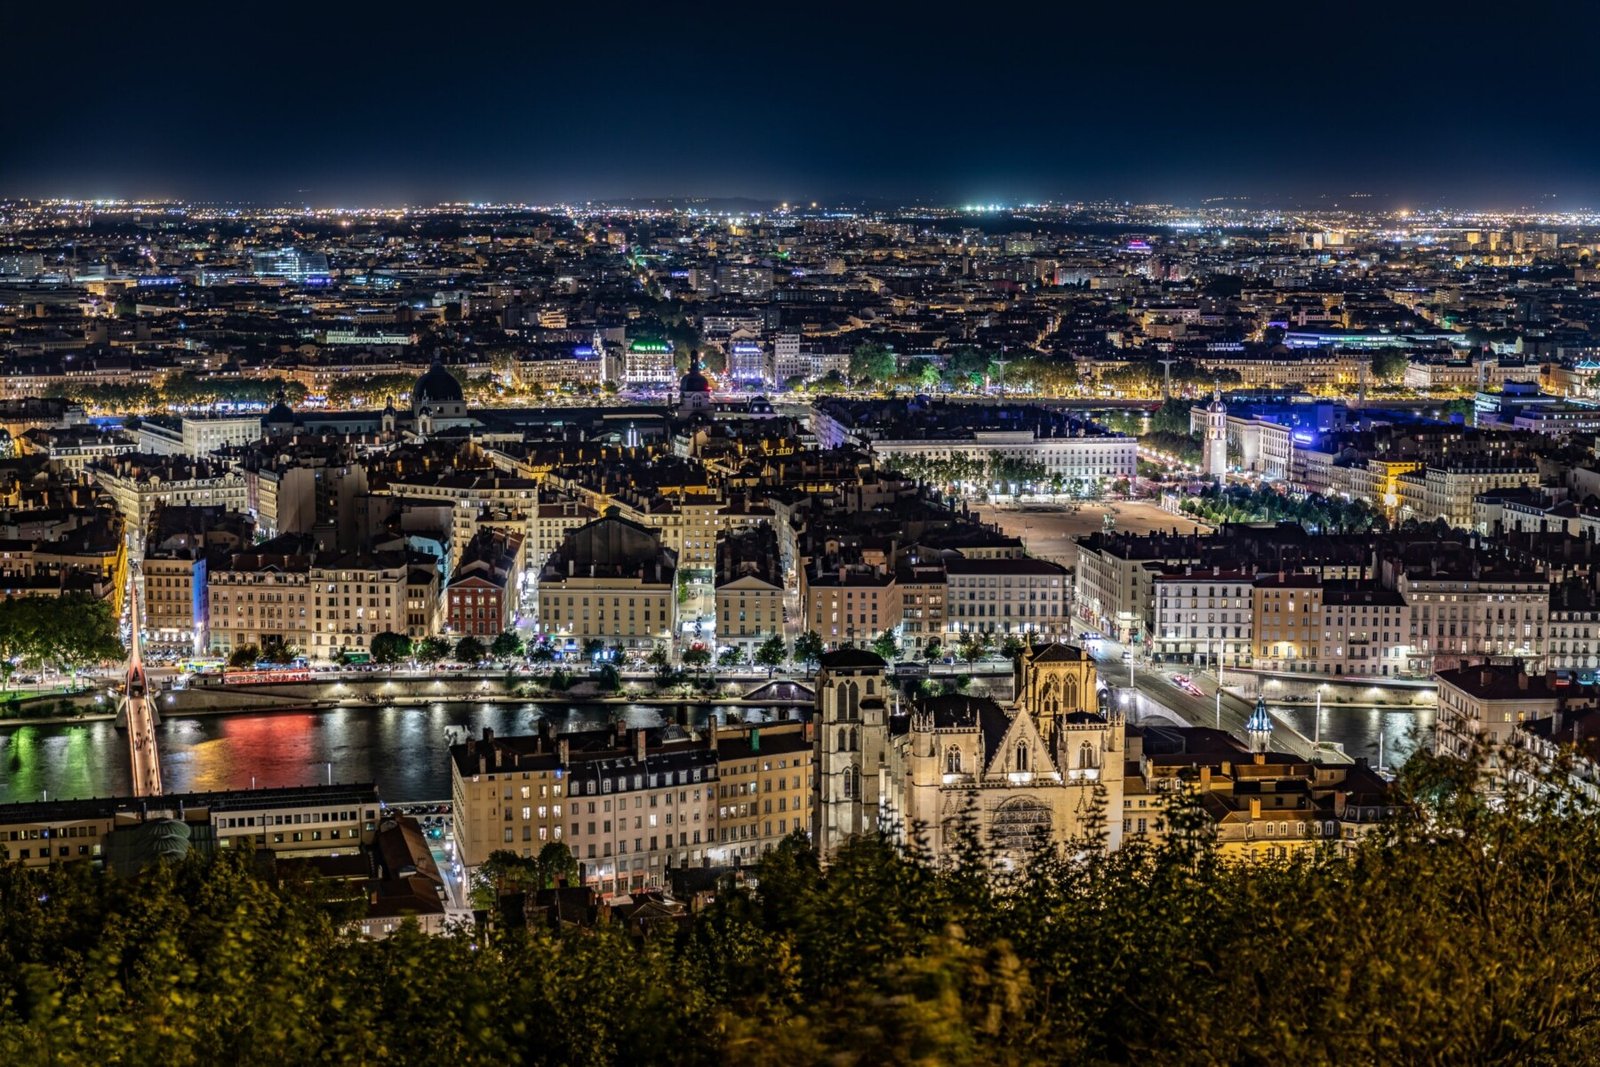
{"points": [[550, 523], [1487, 703], [749, 589], [484, 592], [1262, 806], [1204, 615], [1573, 643], [176, 606], [924, 591], [764, 788], [1479, 611], [851, 604], [1364, 629], [1286, 613], [613, 581], [139, 483], [630, 804], [261, 595], [1006, 596], [1114, 584], [117, 832], [355, 596], [1448, 491]]}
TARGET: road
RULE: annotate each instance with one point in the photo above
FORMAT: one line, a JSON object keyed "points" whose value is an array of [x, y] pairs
{"points": [[1156, 686]]}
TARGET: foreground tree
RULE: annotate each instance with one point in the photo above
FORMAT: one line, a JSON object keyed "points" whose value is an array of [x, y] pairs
{"points": [[431, 650], [772, 653], [390, 648], [470, 650], [66, 633], [808, 648], [697, 659], [1461, 931], [506, 646]]}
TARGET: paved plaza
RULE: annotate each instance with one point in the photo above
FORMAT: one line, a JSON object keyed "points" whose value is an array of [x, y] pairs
{"points": [[1048, 530]]}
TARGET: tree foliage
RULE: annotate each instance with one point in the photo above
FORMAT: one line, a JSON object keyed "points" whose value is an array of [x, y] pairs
{"points": [[1389, 364], [872, 364], [772, 653], [430, 650], [1319, 514], [808, 647], [67, 632], [1461, 931], [389, 647], [506, 645]]}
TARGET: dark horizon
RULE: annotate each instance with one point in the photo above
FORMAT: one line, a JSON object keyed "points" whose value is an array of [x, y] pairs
{"points": [[1432, 105]]}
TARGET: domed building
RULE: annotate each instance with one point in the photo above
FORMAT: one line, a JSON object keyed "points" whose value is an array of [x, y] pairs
{"points": [[694, 391], [437, 401], [438, 391], [279, 419]]}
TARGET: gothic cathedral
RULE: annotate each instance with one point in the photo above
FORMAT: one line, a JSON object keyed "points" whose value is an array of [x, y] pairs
{"points": [[1048, 764]]}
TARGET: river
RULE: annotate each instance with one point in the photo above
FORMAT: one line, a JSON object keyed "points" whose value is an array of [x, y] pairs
{"points": [[402, 749], [1358, 729]]}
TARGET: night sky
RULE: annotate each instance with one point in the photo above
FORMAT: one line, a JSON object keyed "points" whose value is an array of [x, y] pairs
{"points": [[1417, 104]]}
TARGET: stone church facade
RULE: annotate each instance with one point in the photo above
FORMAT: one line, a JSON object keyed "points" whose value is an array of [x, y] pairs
{"points": [[1049, 763]]}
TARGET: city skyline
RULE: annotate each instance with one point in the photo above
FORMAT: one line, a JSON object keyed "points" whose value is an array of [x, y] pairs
{"points": [[340, 107]]}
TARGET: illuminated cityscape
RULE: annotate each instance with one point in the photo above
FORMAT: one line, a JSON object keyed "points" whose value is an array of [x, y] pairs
{"points": [[882, 567]]}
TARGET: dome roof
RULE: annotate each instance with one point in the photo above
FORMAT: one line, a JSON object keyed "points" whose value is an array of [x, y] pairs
{"points": [[279, 413], [436, 386], [694, 381]]}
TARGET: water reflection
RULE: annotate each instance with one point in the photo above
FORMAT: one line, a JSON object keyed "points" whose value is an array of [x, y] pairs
{"points": [[400, 748], [1358, 729]]}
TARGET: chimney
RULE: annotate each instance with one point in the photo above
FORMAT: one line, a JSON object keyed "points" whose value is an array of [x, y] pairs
{"points": [[622, 734], [1522, 681], [563, 751], [1486, 675], [1255, 808], [755, 739], [639, 744], [1205, 778]]}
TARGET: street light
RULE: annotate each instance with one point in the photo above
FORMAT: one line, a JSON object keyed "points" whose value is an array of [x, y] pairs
{"points": [[1316, 721]]}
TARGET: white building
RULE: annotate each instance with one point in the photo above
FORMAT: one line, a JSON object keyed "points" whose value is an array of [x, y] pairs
{"points": [[197, 437], [650, 363], [1006, 596], [1203, 615]]}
